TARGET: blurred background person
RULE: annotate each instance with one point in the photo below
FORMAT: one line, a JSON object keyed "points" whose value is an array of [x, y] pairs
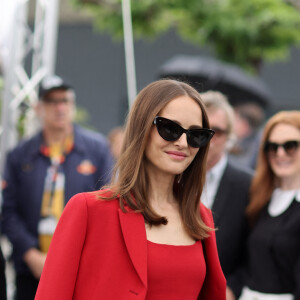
{"points": [[42, 173], [273, 266], [115, 139], [249, 118], [227, 186]]}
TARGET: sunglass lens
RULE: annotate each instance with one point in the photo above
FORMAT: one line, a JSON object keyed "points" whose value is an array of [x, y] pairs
{"points": [[271, 148], [168, 130], [198, 138], [290, 147], [219, 132]]}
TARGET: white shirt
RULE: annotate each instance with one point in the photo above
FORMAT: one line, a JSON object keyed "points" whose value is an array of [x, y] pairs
{"points": [[213, 178], [281, 200]]}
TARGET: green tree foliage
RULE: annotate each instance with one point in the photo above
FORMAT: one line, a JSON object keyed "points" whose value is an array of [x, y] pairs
{"points": [[149, 17], [244, 32]]}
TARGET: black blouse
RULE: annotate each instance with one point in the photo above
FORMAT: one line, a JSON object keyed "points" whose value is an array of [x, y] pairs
{"points": [[274, 252]]}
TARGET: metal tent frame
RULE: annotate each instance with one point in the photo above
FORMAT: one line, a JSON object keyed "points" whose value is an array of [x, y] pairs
{"points": [[24, 44]]}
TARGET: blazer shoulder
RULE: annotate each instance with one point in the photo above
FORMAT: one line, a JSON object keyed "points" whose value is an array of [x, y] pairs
{"points": [[237, 176], [242, 172], [95, 199], [26, 148]]}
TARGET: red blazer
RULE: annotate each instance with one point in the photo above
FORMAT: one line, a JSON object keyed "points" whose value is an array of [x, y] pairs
{"points": [[99, 252]]}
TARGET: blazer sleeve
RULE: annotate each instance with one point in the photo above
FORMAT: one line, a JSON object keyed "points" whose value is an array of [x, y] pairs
{"points": [[214, 286], [13, 225], [63, 259]]}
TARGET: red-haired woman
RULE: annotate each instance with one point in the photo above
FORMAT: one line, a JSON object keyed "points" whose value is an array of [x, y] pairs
{"points": [[274, 211], [146, 236]]}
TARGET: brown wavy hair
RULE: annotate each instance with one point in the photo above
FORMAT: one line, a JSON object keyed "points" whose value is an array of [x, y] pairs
{"points": [[264, 181], [130, 180]]}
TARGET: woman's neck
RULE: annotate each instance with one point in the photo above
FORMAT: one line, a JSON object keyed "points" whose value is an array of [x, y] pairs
{"points": [[290, 183], [161, 190]]}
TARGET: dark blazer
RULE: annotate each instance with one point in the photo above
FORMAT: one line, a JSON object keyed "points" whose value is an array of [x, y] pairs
{"points": [[2, 277], [100, 252], [229, 216]]}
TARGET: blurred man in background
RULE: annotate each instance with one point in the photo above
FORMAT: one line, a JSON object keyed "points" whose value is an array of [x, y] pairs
{"points": [[42, 174], [227, 186], [249, 117]]}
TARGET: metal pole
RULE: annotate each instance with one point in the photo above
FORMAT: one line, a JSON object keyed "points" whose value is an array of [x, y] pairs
{"points": [[45, 36], [19, 87], [16, 54], [129, 51], [50, 40]]}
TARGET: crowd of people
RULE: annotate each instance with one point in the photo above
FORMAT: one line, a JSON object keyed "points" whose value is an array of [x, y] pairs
{"points": [[42, 174], [160, 209]]}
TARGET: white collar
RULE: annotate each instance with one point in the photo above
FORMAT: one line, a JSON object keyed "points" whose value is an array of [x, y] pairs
{"points": [[218, 169], [213, 178], [281, 200]]}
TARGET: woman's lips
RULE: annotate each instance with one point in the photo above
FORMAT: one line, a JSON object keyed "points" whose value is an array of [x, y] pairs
{"points": [[177, 155]]}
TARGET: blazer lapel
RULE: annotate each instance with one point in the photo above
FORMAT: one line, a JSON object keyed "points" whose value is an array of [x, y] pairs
{"points": [[222, 194], [134, 233]]}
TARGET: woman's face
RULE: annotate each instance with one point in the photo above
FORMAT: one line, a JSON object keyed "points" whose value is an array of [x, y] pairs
{"points": [[284, 165], [171, 158]]}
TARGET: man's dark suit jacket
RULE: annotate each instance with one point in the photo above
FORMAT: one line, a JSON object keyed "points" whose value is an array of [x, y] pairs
{"points": [[229, 216], [2, 277]]}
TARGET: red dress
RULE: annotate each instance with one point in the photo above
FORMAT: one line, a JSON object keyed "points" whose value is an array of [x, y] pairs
{"points": [[175, 272]]}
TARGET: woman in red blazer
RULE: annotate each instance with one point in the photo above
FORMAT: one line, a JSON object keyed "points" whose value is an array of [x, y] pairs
{"points": [[146, 236]]}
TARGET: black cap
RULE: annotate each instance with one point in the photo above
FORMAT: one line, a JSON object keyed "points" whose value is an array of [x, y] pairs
{"points": [[52, 83]]}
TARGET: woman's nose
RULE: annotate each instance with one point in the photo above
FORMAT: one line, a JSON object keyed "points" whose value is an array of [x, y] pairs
{"points": [[182, 141]]}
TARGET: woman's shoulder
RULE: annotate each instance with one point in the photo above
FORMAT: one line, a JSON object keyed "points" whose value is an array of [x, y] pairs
{"points": [[100, 198]]}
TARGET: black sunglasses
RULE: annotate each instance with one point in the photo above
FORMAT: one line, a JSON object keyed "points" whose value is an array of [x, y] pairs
{"points": [[171, 131], [56, 101], [219, 131], [290, 147]]}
